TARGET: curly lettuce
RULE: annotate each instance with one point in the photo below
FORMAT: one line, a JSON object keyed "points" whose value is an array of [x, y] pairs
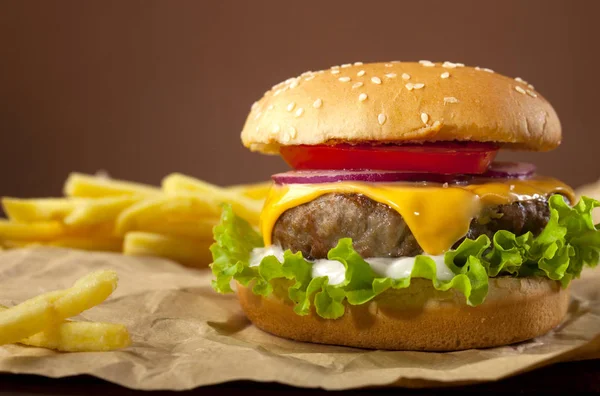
{"points": [[569, 242]]}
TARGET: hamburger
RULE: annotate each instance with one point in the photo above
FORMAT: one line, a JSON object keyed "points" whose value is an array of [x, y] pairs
{"points": [[396, 229]]}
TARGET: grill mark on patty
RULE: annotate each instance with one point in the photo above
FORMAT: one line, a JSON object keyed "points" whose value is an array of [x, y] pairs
{"points": [[377, 230]]}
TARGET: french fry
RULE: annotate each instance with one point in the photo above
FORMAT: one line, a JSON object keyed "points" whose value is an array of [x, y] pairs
{"points": [[188, 252], [28, 318], [100, 210], [245, 207], [165, 209], [86, 293], [112, 244], [55, 306], [81, 185], [254, 190], [24, 320], [41, 231], [39, 321], [39, 209], [80, 337], [192, 229]]}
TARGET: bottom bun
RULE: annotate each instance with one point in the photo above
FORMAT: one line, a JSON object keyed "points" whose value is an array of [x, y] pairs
{"points": [[422, 318]]}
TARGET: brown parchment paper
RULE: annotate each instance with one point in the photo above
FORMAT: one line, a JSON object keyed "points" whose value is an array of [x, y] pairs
{"points": [[185, 335]]}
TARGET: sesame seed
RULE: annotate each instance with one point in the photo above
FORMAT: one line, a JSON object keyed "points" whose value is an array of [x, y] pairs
{"points": [[424, 118], [318, 103], [335, 71], [306, 73], [276, 129], [292, 132], [436, 124], [410, 86], [391, 75], [294, 84], [405, 76], [285, 137], [321, 72], [531, 93], [362, 97], [418, 85], [346, 65], [450, 99], [309, 78], [519, 79], [445, 75], [357, 63], [519, 90], [289, 80], [388, 65], [477, 68], [449, 65], [530, 86], [344, 79], [360, 73], [291, 106], [254, 106], [277, 92], [445, 185], [460, 65], [299, 112], [335, 67], [427, 63], [270, 107], [257, 116], [381, 118], [357, 85], [485, 69], [376, 80], [395, 62]]}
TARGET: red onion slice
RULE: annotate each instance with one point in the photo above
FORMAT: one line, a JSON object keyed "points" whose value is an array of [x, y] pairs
{"points": [[371, 176], [510, 170], [506, 170]]}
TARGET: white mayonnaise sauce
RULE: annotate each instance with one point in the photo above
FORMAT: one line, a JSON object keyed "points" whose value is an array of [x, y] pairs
{"points": [[259, 253], [395, 268]]}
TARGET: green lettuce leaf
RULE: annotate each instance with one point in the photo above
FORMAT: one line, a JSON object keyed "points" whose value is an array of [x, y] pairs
{"points": [[569, 242]]}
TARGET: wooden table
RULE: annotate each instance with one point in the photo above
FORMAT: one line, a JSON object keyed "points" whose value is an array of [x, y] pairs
{"points": [[563, 377]]}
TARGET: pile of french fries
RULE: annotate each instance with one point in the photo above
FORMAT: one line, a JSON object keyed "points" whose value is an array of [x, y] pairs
{"points": [[43, 321], [174, 221]]}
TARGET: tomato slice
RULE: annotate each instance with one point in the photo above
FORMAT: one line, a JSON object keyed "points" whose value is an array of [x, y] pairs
{"points": [[441, 157]]}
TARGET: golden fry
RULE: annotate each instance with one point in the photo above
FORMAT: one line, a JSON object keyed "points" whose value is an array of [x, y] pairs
{"points": [[245, 207], [86, 293], [100, 210], [38, 209], [41, 231], [24, 320], [165, 209], [81, 337], [191, 253], [192, 229], [81, 185], [254, 190], [113, 244]]}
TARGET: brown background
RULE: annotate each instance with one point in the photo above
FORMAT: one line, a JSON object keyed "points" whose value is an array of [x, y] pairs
{"points": [[144, 88]]}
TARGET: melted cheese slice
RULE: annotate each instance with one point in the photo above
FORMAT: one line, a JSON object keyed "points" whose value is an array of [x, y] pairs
{"points": [[438, 216]]}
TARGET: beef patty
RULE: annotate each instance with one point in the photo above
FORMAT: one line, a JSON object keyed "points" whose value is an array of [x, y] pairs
{"points": [[379, 231]]}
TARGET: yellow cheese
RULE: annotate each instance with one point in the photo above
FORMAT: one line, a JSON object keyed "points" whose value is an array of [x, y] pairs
{"points": [[437, 215]]}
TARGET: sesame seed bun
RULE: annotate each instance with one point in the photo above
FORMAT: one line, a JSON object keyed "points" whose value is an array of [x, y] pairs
{"points": [[422, 318], [401, 103]]}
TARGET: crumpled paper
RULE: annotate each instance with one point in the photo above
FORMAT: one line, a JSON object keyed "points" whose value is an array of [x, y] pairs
{"points": [[185, 335]]}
